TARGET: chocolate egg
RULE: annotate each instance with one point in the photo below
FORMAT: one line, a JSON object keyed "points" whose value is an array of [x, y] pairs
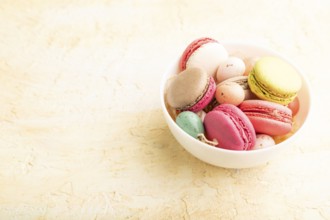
{"points": [[262, 141], [230, 93], [232, 67], [191, 123], [243, 82]]}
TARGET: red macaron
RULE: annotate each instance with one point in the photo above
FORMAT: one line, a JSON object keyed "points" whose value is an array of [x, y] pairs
{"points": [[268, 117], [230, 127]]}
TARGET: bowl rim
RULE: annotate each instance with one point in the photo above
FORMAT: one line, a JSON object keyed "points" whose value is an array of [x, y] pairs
{"points": [[282, 144]]}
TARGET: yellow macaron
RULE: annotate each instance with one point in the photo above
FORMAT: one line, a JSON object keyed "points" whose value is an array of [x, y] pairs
{"points": [[275, 80]]}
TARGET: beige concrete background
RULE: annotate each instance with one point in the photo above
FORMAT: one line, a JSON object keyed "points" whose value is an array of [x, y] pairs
{"points": [[81, 131]]}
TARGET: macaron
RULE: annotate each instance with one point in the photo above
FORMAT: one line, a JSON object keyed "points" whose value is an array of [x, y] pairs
{"points": [[268, 117], [230, 127], [205, 53], [275, 80], [190, 90], [231, 67]]}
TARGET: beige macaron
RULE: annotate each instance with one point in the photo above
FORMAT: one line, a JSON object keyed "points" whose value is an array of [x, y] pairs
{"points": [[192, 89]]}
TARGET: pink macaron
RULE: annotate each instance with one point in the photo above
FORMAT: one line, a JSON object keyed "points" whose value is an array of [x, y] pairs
{"points": [[268, 117], [205, 53], [230, 127]]}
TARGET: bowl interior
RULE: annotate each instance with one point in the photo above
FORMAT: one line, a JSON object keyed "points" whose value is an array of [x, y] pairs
{"points": [[230, 158]]}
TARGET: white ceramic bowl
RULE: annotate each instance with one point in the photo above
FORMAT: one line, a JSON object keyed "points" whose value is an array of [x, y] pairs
{"points": [[229, 158]]}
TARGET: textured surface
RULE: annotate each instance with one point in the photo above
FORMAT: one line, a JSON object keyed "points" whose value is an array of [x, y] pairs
{"points": [[82, 134]]}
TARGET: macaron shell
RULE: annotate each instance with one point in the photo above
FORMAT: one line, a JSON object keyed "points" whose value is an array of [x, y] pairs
{"points": [[186, 88], [206, 98], [268, 117], [278, 74], [268, 126], [230, 127], [208, 57], [275, 80]]}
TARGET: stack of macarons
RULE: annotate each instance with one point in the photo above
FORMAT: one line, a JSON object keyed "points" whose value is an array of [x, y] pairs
{"points": [[231, 102]]}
